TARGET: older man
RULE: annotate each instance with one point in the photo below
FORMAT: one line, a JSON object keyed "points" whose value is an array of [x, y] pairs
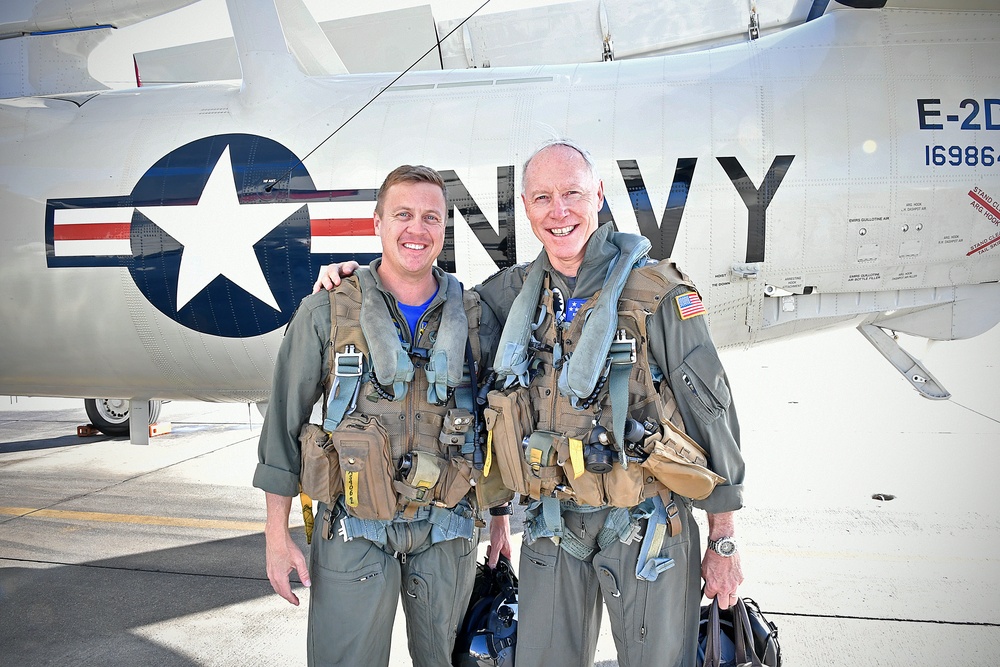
{"points": [[394, 348]]}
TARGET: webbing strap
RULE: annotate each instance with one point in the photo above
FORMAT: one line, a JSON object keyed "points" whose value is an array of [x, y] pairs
{"points": [[348, 367], [552, 513], [619, 525], [650, 564], [622, 357], [449, 524], [351, 528]]}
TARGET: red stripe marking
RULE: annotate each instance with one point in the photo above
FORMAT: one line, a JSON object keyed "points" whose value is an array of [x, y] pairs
{"points": [[995, 239], [985, 204], [92, 232], [343, 227]]}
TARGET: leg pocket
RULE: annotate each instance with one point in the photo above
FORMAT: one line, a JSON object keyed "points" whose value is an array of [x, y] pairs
{"points": [[352, 602], [536, 596]]}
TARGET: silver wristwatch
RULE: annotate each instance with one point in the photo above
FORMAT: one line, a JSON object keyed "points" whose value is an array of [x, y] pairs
{"points": [[724, 546]]}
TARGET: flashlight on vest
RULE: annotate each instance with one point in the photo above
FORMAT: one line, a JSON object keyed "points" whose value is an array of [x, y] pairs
{"points": [[598, 456], [635, 435]]}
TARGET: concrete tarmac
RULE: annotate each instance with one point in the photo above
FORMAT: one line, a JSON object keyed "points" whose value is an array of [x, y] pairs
{"points": [[119, 554]]}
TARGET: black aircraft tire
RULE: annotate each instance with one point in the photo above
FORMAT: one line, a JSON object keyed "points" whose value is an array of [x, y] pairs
{"points": [[111, 416]]}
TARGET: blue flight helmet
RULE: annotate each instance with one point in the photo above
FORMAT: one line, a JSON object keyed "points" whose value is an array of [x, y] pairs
{"points": [[488, 634]]}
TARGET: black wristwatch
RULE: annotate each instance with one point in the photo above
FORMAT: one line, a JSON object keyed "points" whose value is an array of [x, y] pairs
{"points": [[502, 510]]}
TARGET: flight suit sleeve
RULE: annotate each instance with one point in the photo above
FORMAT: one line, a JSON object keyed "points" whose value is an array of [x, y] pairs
{"points": [[299, 372], [490, 328], [499, 291], [684, 351]]}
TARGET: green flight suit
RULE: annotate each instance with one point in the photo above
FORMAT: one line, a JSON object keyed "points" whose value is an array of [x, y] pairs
{"points": [[356, 584], [653, 622]]}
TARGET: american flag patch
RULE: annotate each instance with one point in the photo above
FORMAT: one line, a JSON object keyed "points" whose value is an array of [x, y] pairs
{"points": [[573, 307], [689, 305]]}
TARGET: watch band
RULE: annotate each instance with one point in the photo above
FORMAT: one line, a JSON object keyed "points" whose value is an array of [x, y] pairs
{"points": [[502, 510]]}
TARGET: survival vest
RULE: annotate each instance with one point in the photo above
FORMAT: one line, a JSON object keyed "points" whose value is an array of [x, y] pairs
{"points": [[550, 441], [398, 426]]}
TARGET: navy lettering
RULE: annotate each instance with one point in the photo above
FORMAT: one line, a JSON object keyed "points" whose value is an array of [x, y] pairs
{"points": [[500, 246], [756, 200], [664, 235]]}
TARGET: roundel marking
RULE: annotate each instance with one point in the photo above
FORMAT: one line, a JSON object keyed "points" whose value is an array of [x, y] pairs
{"points": [[214, 250]]}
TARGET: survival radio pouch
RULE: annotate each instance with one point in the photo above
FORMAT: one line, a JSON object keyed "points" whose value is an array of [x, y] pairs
{"points": [[680, 464]]}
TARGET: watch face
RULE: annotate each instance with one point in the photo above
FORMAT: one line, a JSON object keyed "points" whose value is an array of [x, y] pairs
{"points": [[725, 546]]}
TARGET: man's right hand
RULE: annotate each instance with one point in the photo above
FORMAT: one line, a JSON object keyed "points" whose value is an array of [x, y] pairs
{"points": [[282, 554], [330, 275]]}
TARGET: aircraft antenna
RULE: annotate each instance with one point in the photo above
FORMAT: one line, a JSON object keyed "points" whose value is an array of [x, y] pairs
{"points": [[436, 45]]}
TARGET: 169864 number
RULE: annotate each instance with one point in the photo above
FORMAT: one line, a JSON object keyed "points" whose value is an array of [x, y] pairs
{"points": [[955, 156]]}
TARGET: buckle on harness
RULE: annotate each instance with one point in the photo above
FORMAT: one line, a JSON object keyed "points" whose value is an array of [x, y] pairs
{"points": [[348, 363], [620, 345]]}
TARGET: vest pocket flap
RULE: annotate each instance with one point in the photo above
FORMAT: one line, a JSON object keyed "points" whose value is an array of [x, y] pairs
{"points": [[490, 416], [679, 464], [455, 483], [353, 456]]}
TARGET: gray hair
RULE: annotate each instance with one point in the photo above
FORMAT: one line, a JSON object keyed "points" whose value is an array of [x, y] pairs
{"points": [[568, 143]]}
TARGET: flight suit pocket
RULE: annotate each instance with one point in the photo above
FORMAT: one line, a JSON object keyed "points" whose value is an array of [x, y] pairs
{"points": [[367, 473], [320, 474], [701, 376]]}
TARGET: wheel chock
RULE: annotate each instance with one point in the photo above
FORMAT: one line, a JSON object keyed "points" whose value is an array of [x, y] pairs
{"points": [[159, 428], [87, 430]]}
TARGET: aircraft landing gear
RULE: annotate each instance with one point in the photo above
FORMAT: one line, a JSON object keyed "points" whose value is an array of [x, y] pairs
{"points": [[110, 415]]}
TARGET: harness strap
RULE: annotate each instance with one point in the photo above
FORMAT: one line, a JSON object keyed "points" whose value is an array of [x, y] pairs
{"points": [[622, 357], [650, 565], [348, 367], [447, 524]]}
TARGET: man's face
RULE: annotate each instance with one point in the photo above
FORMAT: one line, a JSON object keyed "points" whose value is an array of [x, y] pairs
{"points": [[411, 226], [562, 199]]}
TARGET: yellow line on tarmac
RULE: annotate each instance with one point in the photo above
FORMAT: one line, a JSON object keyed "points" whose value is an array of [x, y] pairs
{"points": [[35, 513]]}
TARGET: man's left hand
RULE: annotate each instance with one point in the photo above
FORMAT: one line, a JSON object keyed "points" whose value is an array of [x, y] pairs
{"points": [[722, 577], [499, 540]]}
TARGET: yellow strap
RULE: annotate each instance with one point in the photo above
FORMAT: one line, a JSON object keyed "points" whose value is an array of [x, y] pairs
{"points": [[351, 488], [576, 456], [489, 454], [307, 516]]}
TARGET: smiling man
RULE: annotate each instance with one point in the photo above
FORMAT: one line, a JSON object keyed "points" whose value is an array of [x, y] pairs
{"points": [[611, 352], [395, 350]]}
